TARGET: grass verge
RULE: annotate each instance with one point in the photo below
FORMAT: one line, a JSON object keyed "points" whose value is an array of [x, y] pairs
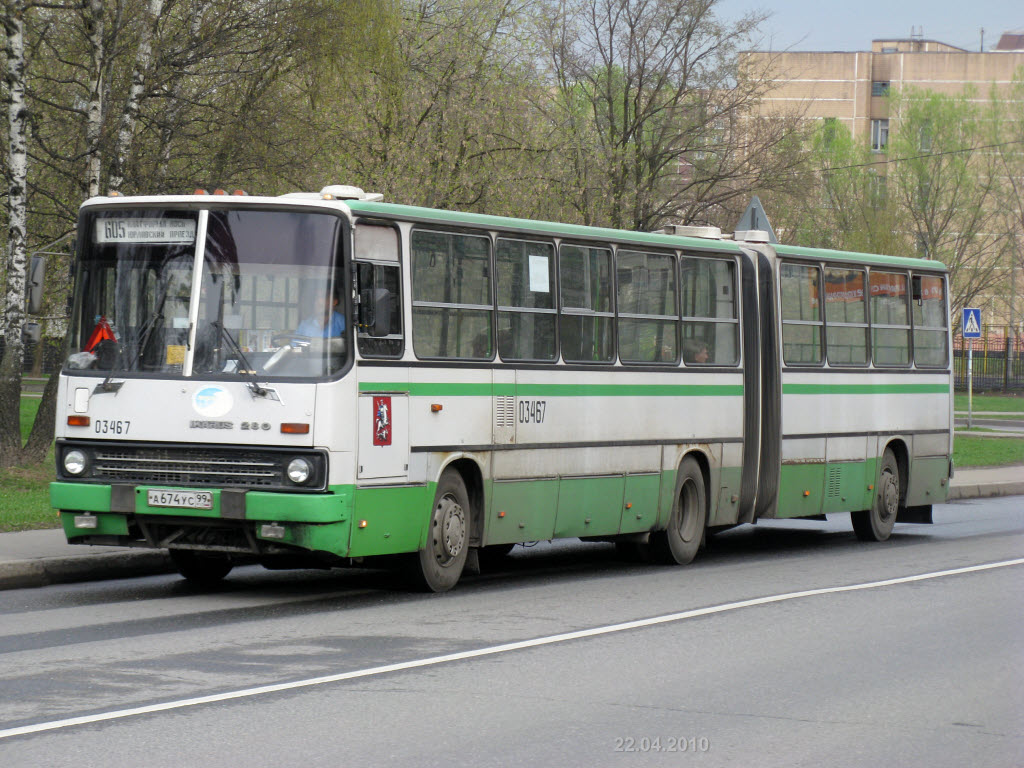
{"points": [[989, 402], [25, 490], [987, 451]]}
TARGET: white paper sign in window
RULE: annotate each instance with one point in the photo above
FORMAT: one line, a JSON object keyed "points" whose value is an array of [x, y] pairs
{"points": [[539, 279]]}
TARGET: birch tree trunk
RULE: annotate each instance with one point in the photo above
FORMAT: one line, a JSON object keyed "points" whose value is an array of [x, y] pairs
{"points": [[17, 191], [143, 58], [94, 107]]}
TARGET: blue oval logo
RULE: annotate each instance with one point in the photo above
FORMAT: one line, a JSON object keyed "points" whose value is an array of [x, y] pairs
{"points": [[212, 401]]}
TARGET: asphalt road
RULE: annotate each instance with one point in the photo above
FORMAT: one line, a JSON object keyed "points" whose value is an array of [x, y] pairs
{"points": [[728, 661]]}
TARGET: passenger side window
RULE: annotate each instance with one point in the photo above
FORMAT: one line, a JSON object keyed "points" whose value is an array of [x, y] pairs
{"points": [[646, 285], [451, 296], [526, 300], [585, 277], [930, 321], [890, 319], [801, 314], [846, 316], [710, 327]]}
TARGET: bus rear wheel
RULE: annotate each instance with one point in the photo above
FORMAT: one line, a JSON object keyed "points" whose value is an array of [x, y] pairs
{"points": [[680, 541], [201, 568], [439, 564], [876, 524]]}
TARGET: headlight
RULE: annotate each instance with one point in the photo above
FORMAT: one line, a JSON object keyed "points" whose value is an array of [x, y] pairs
{"points": [[74, 462], [299, 470]]}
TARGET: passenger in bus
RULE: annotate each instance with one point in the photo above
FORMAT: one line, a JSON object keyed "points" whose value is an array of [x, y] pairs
{"points": [[695, 351], [325, 321]]}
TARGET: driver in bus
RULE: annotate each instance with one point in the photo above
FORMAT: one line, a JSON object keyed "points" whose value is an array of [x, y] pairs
{"points": [[325, 321]]}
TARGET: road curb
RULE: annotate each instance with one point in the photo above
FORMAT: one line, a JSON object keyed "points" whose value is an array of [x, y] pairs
{"points": [[21, 574], [985, 490]]}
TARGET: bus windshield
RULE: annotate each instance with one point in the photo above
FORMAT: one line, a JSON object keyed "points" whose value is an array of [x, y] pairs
{"points": [[268, 298]]}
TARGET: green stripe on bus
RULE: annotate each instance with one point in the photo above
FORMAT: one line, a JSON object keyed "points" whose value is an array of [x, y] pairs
{"points": [[864, 389], [555, 390]]}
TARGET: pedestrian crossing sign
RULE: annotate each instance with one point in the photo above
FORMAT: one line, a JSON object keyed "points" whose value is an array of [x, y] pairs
{"points": [[971, 326]]}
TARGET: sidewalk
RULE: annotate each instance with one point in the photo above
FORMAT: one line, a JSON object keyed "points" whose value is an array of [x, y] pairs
{"points": [[38, 558]]}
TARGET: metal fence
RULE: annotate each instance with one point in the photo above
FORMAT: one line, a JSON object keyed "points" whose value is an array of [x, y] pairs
{"points": [[998, 361], [41, 358]]}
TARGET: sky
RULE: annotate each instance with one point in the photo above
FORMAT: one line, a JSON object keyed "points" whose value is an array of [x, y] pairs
{"points": [[827, 25]]}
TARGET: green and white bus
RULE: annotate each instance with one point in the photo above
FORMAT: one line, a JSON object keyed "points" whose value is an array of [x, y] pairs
{"points": [[326, 379]]}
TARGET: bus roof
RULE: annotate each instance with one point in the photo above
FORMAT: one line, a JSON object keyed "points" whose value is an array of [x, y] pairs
{"points": [[526, 226], [861, 258], [550, 228]]}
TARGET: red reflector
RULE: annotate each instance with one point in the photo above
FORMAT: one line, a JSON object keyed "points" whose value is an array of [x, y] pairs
{"points": [[200, 192], [291, 428], [78, 421], [239, 192], [219, 192]]}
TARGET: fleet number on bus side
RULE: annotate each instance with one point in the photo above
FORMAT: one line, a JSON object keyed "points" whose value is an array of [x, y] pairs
{"points": [[532, 411]]}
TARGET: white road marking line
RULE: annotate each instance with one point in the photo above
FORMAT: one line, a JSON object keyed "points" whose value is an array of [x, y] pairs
{"points": [[491, 650]]}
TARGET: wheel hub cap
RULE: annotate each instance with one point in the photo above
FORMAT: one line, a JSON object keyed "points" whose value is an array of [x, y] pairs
{"points": [[450, 530], [891, 498]]}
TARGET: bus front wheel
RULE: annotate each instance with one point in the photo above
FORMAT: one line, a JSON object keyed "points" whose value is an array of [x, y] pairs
{"points": [[680, 541], [439, 565], [876, 524]]}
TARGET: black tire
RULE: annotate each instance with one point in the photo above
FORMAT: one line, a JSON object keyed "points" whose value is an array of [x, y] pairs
{"points": [[438, 566], [678, 544], [201, 568], [494, 555], [876, 524]]}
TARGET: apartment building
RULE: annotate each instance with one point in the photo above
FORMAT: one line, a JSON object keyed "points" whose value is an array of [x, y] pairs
{"points": [[851, 86]]}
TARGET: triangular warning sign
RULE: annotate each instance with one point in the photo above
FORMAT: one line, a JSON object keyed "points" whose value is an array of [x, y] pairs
{"points": [[755, 218], [971, 326]]}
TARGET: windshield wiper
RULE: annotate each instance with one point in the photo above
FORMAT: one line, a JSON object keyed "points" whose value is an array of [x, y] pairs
{"points": [[145, 337], [254, 385]]}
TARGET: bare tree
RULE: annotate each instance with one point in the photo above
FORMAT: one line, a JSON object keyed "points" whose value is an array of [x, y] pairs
{"points": [[143, 60], [652, 106], [945, 185]]}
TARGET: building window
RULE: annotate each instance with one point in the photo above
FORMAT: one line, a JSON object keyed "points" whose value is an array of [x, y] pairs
{"points": [[925, 136], [880, 88], [879, 135]]}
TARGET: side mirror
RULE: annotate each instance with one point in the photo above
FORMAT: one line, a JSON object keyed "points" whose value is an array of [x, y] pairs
{"points": [[34, 287], [375, 311]]}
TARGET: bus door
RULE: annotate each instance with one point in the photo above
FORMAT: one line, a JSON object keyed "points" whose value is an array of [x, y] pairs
{"points": [[383, 436]]}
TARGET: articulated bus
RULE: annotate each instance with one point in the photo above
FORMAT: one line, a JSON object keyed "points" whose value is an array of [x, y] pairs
{"points": [[327, 379]]}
